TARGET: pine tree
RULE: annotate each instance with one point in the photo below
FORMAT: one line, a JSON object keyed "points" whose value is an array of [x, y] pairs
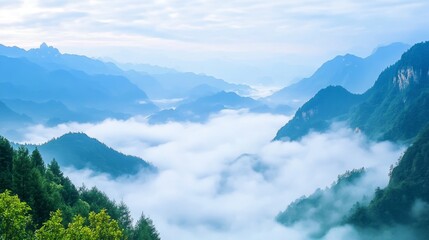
{"points": [[125, 221], [69, 192], [21, 177], [6, 163], [55, 172], [37, 161], [145, 230], [41, 203]]}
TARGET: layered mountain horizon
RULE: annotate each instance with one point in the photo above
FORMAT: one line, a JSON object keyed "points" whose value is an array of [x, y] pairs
{"points": [[356, 74], [44, 91], [392, 109], [214, 120]]}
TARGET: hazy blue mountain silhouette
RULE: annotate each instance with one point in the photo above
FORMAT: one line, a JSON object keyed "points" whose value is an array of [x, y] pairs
{"points": [[51, 58], [181, 85], [79, 151], [146, 68], [157, 82], [25, 80], [8, 116], [354, 73], [54, 112], [11, 122], [200, 109]]}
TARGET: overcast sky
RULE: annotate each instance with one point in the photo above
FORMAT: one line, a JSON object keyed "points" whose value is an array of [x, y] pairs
{"points": [[274, 41]]}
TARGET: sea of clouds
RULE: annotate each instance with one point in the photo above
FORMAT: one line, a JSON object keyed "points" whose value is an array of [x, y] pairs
{"points": [[226, 179]]}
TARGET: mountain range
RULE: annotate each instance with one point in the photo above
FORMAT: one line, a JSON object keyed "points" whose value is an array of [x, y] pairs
{"points": [[394, 108], [173, 84], [200, 109], [10, 119], [77, 91], [74, 88], [354, 73], [44, 86], [157, 82]]}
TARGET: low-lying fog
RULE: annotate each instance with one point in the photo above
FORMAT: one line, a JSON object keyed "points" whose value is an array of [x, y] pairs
{"points": [[225, 179]]}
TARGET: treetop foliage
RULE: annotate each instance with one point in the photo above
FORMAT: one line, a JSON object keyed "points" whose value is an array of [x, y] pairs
{"points": [[39, 202]]}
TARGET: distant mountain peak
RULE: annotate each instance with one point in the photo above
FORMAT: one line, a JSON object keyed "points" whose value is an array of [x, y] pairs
{"points": [[349, 55], [75, 134], [43, 45], [342, 58], [396, 46], [46, 50]]}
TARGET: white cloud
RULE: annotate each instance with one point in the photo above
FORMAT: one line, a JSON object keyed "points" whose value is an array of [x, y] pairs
{"points": [[206, 188]]}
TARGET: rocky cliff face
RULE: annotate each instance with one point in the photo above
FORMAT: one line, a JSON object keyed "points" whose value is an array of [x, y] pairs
{"points": [[406, 76]]}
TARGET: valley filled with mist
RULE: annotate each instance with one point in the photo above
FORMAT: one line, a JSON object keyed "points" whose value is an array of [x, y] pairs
{"points": [[217, 140]]}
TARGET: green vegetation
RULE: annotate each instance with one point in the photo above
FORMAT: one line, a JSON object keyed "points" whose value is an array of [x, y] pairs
{"points": [[39, 202], [326, 207], [14, 217], [405, 200], [396, 108], [318, 113], [402, 206]]}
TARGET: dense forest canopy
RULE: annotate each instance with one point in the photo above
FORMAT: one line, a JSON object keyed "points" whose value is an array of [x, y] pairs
{"points": [[39, 202]]}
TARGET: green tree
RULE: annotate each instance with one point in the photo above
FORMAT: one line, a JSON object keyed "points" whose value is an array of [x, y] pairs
{"points": [[145, 230], [37, 161], [14, 217], [44, 190], [77, 230], [69, 191], [52, 229], [81, 208], [41, 202], [98, 201], [103, 227], [55, 172], [21, 177], [125, 221], [6, 162]]}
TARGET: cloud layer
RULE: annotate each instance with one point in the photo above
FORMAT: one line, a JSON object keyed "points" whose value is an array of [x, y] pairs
{"points": [[225, 179]]}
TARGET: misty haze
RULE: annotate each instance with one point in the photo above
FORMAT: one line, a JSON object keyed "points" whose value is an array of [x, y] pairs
{"points": [[191, 120]]}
